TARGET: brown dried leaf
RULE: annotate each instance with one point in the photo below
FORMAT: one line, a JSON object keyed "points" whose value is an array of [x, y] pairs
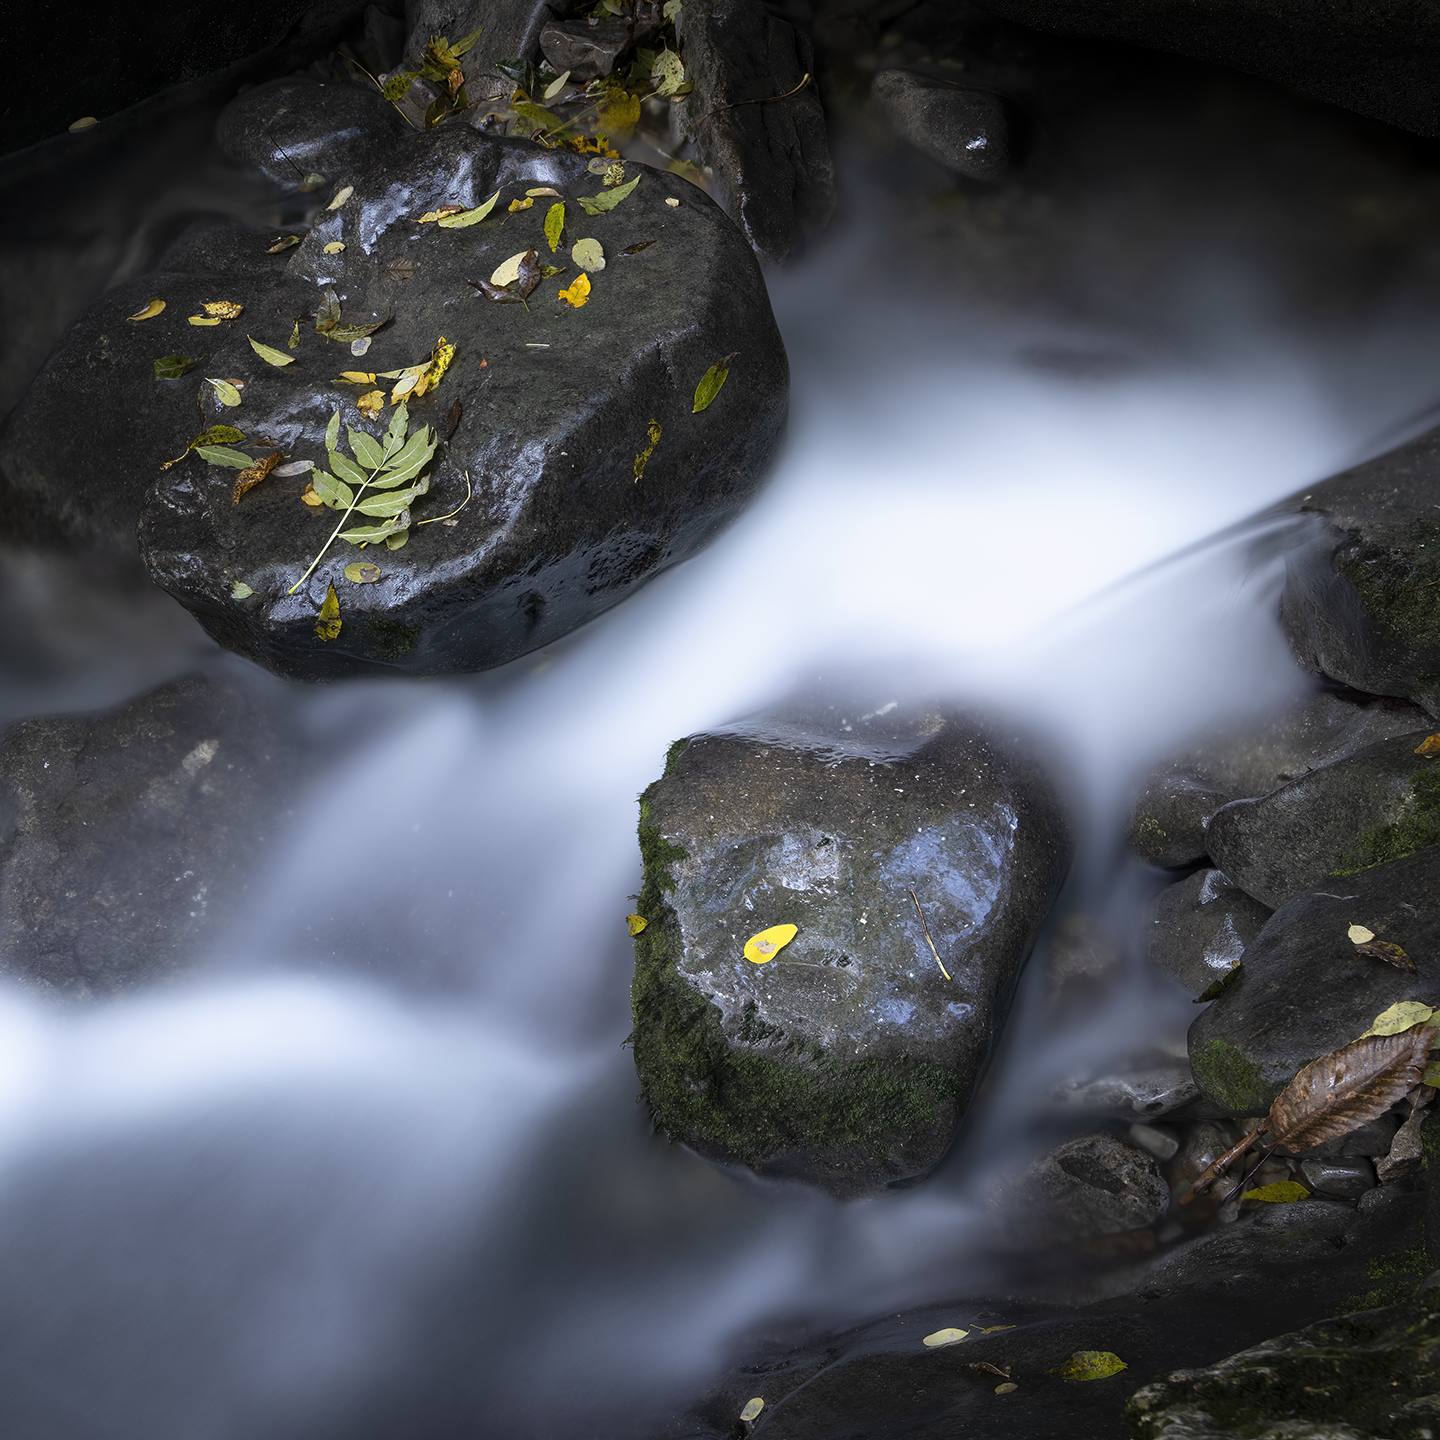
{"points": [[400, 269], [1390, 953], [529, 273], [495, 292], [283, 243], [1430, 745], [452, 420], [248, 479]]}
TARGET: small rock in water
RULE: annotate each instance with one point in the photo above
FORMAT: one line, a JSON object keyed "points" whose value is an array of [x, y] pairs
{"points": [[848, 1059], [1346, 1178], [1161, 1143], [588, 49], [1199, 928], [965, 130]]}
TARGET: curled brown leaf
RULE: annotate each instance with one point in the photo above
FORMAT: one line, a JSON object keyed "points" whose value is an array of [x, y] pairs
{"points": [[1390, 953], [249, 478]]}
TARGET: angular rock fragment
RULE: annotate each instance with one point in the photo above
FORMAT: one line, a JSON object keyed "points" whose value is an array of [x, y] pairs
{"points": [[574, 435], [588, 48], [1380, 804], [1305, 989], [963, 129], [1199, 928], [126, 835], [849, 1057]]}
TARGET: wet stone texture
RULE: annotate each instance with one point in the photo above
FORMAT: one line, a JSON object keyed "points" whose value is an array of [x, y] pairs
{"points": [[569, 512], [125, 836], [965, 130], [1304, 989], [1200, 926], [848, 1059]]}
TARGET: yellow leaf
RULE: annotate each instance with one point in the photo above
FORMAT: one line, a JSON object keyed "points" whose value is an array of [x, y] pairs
{"points": [[430, 215], [227, 392], [542, 190], [341, 197], [938, 1337], [1091, 1365], [312, 499], [516, 206], [203, 320], [619, 110], [1281, 1193], [440, 361], [328, 622], [752, 1409], [1400, 1017], [241, 591], [764, 946], [149, 310], [577, 293], [362, 572], [1006, 1388], [334, 247], [83, 123], [1430, 745], [454, 221], [225, 309], [371, 403], [1359, 935], [358, 377], [588, 254], [283, 243], [555, 225], [635, 923], [673, 203], [507, 271], [405, 384], [269, 356]]}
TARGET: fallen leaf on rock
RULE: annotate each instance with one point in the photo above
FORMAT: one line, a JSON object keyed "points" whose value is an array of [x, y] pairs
{"points": [[358, 377], [1399, 1017], [293, 343], [516, 206], [452, 420], [613, 174], [240, 591], [312, 181], [1091, 1365], [752, 1409], [172, 367], [250, 477], [672, 202], [588, 255], [468, 217], [223, 309], [1216, 988], [225, 392], [341, 197], [371, 403], [505, 296], [668, 73], [360, 346], [994, 1329], [400, 269], [149, 310], [508, 271], [577, 292], [711, 382], [985, 1368], [283, 243], [1360, 935], [555, 225], [542, 190], [1281, 1193], [312, 498], [268, 355], [362, 572], [607, 199], [636, 248], [548, 272], [652, 433], [1430, 745], [224, 455], [764, 946], [328, 622], [556, 86], [204, 320], [1390, 953], [635, 923], [936, 1337], [295, 467], [430, 216], [334, 247], [1006, 1388], [83, 123], [215, 435]]}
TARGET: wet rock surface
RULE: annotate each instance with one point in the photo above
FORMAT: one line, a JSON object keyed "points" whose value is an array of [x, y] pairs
{"points": [[1169, 817], [1199, 928], [588, 47], [1304, 989], [126, 835], [509, 30], [848, 1059], [1379, 804], [550, 429], [965, 130], [1359, 600]]}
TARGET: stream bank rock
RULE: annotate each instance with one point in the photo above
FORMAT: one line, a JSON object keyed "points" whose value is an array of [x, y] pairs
{"points": [[1304, 989], [571, 430], [1380, 804], [1360, 600], [1200, 927], [965, 130], [125, 836], [849, 1058]]}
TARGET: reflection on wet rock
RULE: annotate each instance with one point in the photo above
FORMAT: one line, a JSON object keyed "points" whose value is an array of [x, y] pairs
{"points": [[1199, 928], [963, 129]]}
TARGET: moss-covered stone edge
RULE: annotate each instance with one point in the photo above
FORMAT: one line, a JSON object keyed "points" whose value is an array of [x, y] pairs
{"points": [[705, 1089], [1224, 1074], [1396, 584], [1418, 828]]}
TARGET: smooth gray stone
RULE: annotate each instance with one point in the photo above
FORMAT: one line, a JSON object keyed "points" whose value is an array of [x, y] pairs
{"points": [[1381, 803], [1145, 1092], [963, 129], [1347, 1178], [1176, 800], [1199, 928], [1161, 1142], [588, 47], [1304, 990], [849, 1058]]}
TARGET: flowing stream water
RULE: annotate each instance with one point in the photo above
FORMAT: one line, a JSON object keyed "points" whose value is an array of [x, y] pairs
{"points": [[377, 1166]]}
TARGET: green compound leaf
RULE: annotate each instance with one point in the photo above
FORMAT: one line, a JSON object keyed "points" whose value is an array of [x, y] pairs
{"points": [[332, 432], [368, 450]]}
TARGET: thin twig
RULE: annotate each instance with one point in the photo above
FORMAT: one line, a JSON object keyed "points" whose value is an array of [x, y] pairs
{"points": [[930, 942], [763, 100], [1203, 1180], [434, 519]]}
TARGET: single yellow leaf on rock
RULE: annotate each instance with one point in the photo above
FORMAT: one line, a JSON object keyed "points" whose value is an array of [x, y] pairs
{"points": [[225, 392], [1401, 1016], [328, 622], [334, 247], [240, 591], [1281, 1193], [578, 292], [1360, 935], [371, 403], [555, 225], [635, 923], [204, 320], [358, 377], [762, 947], [283, 243], [225, 309], [340, 198], [1006, 1388], [542, 190], [752, 1409], [673, 203], [312, 499], [83, 123], [150, 309], [1091, 1365], [508, 271], [1430, 745], [937, 1337], [269, 356], [588, 255], [516, 206], [362, 572]]}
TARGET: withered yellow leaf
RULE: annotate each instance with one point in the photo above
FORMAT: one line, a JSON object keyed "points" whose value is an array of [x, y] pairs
{"points": [[577, 292], [328, 622], [250, 477], [371, 403], [1430, 745], [752, 1409], [516, 206], [944, 1337], [334, 247], [1359, 935], [358, 377], [341, 197], [224, 309], [149, 310], [268, 355], [432, 215], [362, 572], [588, 255], [542, 190], [204, 319], [1091, 1365], [764, 946], [311, 498], [635, 923], [1282, 1193], [508, 271], [1399, 1018], [241, 591]]}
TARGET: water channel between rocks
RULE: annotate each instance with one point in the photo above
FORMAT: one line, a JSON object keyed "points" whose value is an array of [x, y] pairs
{"points": [[380, 1152]]}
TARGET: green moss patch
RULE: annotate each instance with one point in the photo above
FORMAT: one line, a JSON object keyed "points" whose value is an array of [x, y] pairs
{"points": [[1418, 828], [1227, 1076], [1395, 585], [1396, 1277]]}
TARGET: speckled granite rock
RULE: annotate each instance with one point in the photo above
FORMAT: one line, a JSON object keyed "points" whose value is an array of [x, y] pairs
{"points": [[1199, 928], [849, 1058]]}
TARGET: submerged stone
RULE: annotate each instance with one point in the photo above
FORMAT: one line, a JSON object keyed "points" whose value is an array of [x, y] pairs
{"points": [[847, 1059], [1305, 988], [1200, 926], [571, 430], [965, 130]]}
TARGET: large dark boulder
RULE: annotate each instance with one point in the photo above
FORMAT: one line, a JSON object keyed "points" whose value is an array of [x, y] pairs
{"points": [[125, 837], [1362, 594], [1305, 988], [849, 1058], [1379, 804], [588, 470]]}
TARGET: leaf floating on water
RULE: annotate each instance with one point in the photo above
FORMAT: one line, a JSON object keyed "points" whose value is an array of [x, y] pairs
{"points": [[362, 572], [250, 477], [636, 248], [149, 310], [1399, 1018], [936, 1337], [341, 197], [555, 225], [371, 403], [1284, 1192], [577, 292], [225, 392], [752, 1409], [1360, 935], [635, 923], [334, 247], [1390, 953], [172, 367], [1430, 745], [711, 382], [223, 455], [328, 622], [468, 217], [204, 320], [222, 309], [764, 946], [1091, 1365], [240, 591], [607, 199], [269, 356], [283, 243], [588, 255]]}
